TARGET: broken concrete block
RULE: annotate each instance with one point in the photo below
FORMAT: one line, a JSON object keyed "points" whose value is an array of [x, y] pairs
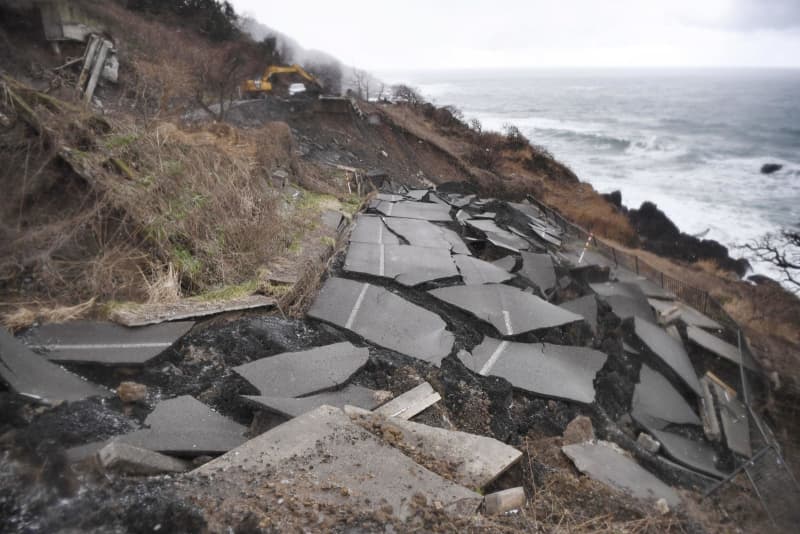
{"points": [[579, 430], [648, 442], [504, 501], [132, 392], [708, 411], [468, 459], [328, 459], [668, 316], [132, 460], [411, 402]]}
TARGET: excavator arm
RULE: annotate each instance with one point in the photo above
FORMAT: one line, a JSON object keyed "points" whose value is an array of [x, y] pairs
{"points": [[264, 85]]}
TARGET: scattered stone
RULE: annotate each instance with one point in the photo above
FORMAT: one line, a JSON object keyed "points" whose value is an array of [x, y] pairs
{"points": [[504, 501], [579, 430], [132, 392], [131, 460], [648, 443], [662, 506]]}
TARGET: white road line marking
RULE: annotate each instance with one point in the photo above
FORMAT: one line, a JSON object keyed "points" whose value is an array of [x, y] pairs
{"points": [[380, 231], [382, 261], [105, 346], [493, 358], [356, 307], [507, 319], [389, 211]]}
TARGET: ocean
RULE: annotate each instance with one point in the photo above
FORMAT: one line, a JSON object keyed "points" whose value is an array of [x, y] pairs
{"points": [[691, 141]]}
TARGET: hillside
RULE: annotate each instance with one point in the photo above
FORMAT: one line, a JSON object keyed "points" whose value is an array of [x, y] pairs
{"points": [[167, 188]]}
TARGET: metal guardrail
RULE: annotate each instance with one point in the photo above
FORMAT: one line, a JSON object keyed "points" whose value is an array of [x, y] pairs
{"points": [[767, 472]]}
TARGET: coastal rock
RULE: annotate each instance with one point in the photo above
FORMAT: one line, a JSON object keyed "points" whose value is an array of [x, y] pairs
{"points": [[769, 168]]}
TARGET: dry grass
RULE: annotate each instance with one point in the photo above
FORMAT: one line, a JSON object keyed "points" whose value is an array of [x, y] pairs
{"points": [[24, 316]]}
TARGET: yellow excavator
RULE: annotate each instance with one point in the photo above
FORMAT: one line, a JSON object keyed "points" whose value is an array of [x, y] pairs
{"points": [[266, 84]]}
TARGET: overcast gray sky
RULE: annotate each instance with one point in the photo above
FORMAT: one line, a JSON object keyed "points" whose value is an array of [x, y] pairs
{"points": [[436, 34]]}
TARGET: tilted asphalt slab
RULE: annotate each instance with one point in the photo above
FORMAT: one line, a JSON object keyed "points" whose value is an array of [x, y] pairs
{"points": [[688, 315], [499, 236], [105, 343], [294, 374], [475, 272], [669, 350], [586, 307], [510, 310], [415, 210], [538, 270], [655, 396], [735, 421], [370, 229], [383, 318], [607, 463], [406, 264], [33, 376], [719, 347], [559, 371], [186, 427]]}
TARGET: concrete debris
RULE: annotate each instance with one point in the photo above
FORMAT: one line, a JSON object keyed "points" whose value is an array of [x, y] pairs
{"points": [[648, 443], [129, 392], [124, 458], [331, 460], [408, 265], [34, 377], [104, 343], [504, 501], [410, 403], [735, 421], [147, 314], [557, 371], [688, 315], [350, 395], [669, 350], [507, 263], [607, 463], [470, 460], [579, 430], [186, 427], [383, 318], [474, 271], [668, 315], [295, 374], [510, 310], [662, 506]]}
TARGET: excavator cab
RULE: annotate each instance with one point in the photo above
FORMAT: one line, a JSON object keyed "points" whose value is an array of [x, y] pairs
{"points": [[277, 79]]}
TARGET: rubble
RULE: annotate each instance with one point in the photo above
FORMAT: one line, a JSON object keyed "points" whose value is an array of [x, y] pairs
{"points": [[504, 501], [410, 403], [648, 443], [579, 430], [131, 392]]}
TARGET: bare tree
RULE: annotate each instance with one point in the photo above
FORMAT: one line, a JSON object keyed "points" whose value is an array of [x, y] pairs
{"points": [[781, 249], [361, 80], [219, 73], [406, 93]]}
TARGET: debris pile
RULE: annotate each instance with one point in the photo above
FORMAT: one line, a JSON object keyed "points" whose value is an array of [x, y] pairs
{"points": [[483, 319]]}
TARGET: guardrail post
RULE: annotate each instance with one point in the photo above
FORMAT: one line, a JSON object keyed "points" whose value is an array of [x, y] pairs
{"points": [[705, 302], [662, 278], [614, 253], [636, 262]]}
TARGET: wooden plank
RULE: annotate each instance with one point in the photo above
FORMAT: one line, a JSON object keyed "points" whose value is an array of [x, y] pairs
{"points": [[145, 314], [410, 403]]}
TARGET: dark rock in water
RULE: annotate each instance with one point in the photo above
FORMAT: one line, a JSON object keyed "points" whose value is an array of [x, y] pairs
{"points": [[769, 168], [660, 235], [614, 197]]}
